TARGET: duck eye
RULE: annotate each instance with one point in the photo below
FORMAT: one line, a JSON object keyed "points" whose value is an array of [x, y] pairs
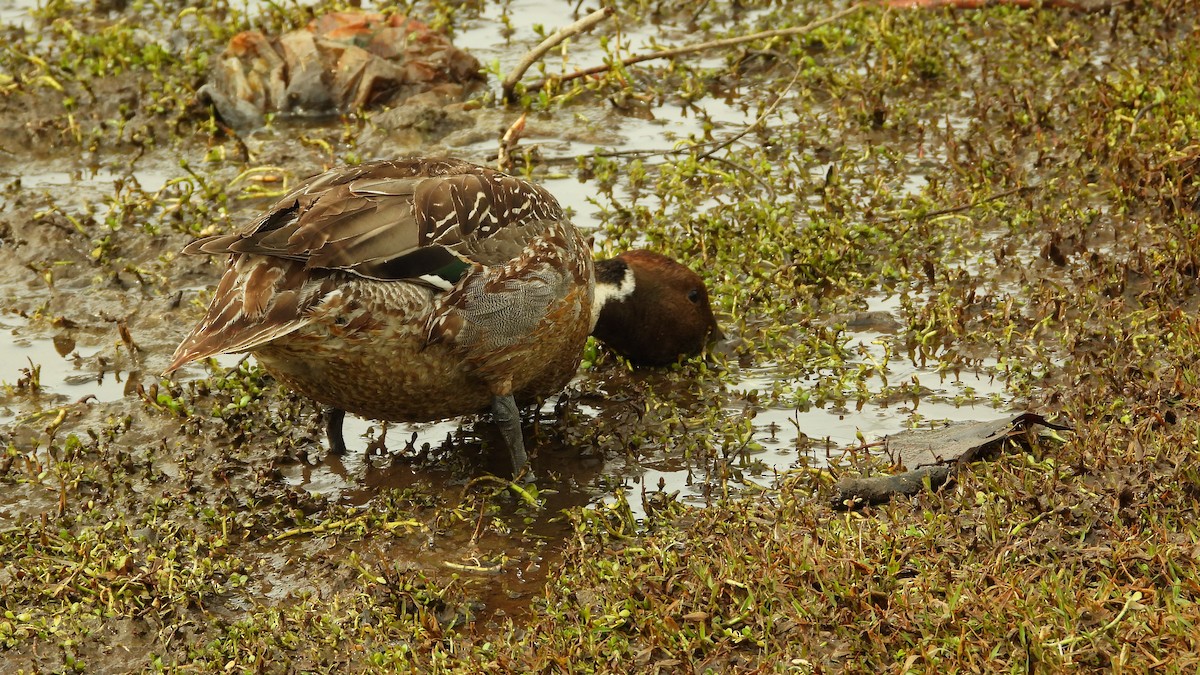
{"points": [[694, 296]]}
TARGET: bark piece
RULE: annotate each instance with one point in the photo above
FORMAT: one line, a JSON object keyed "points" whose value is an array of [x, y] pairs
{"points": [[933, 454], [340, 62]]}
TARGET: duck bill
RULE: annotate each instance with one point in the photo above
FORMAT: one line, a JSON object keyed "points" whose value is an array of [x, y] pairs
{"points": [[715, 334]]}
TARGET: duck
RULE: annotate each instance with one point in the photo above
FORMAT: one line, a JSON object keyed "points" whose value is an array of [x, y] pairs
{"points": [[423, 289], [666, 301]]}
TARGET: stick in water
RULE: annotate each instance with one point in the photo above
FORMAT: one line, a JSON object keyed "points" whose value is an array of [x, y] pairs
{"points": [[586, 23]]}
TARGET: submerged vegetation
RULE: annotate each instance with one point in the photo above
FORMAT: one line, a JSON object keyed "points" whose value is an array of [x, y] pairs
{"points": [[901, 215]]}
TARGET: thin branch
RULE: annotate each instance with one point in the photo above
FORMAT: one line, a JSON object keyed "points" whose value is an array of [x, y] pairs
{"points": [[749, 172], [903, 215], [983, 4], [508, 143], [586, 23], [757, 121], [978, 202], [703, 46], [1130, 600], [479, 569]]}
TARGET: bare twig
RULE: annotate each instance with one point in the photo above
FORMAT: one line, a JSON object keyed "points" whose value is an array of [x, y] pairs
{"points": [[978, 202], [1131, 601], [508, 143], [699, 10], [757, 121], [962, 207], [749, 172], [480, 569], [703, 46], [344, 524], [586, 23], [521, 492], [982, 4]]}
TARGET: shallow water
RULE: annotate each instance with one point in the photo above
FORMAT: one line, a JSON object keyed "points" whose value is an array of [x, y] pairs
{"points": [[790, 437], [16, 12]]}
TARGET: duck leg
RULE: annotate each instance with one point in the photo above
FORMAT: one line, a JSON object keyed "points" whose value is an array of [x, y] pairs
{"points": [[333, 430], [508, 418]]}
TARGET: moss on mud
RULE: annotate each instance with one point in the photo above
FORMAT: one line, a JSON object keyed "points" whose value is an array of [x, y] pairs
{"points": [[1017, 188]]}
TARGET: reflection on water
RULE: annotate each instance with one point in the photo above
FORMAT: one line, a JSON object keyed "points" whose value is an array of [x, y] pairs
{"points": [[782, 437], [66, 370]]}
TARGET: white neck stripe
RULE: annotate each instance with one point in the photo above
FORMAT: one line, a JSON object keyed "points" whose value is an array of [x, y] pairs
{"points": [[606, 293]]}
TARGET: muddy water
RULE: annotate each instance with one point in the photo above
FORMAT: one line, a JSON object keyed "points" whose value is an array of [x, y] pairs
{"points": [[85, 342], [15, 12], [73, 365]]}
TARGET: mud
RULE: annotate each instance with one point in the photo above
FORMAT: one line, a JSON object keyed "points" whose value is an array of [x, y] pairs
{"points": [[220, 462]]}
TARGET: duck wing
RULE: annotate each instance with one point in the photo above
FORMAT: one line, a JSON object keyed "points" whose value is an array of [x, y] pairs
{"points": [[394, 220], [429, 222]]}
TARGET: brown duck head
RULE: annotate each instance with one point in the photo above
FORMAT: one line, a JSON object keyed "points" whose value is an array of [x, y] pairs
{"points": [[651, 309]]}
